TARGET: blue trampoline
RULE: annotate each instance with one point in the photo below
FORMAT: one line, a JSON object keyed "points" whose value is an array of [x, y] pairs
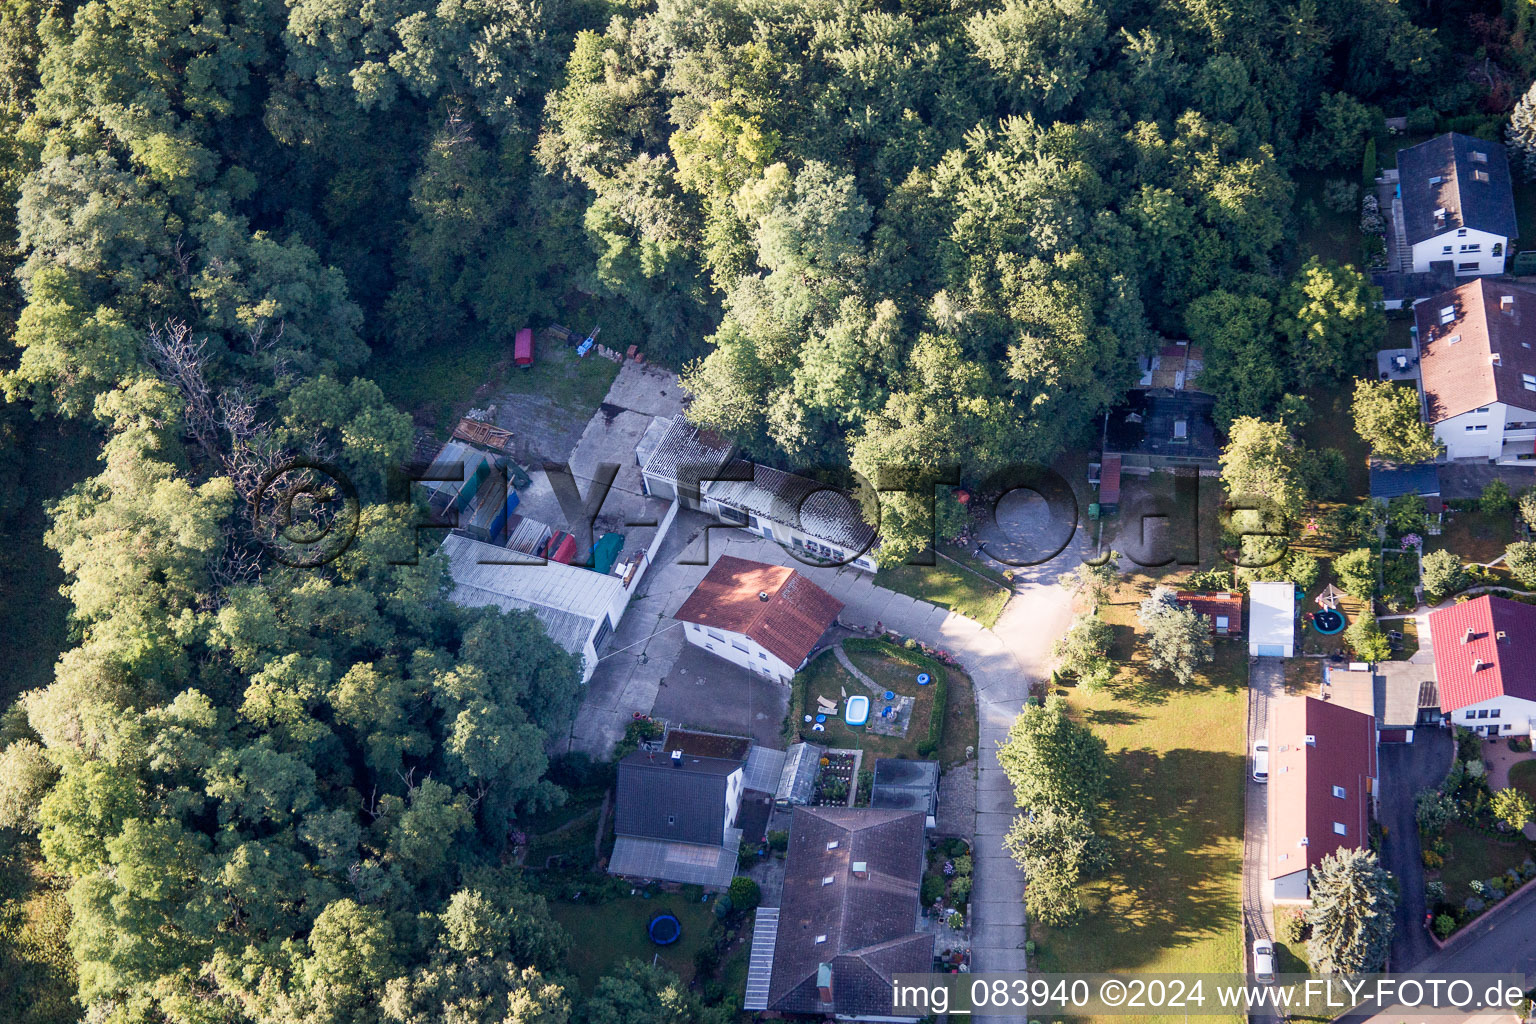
{"points": [[1329, 621], [665, 929]]}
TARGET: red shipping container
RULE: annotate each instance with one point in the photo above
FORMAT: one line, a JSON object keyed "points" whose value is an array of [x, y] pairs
{"points": [[522, 350]]}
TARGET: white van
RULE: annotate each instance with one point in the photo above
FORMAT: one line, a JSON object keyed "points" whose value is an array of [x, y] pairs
{"points": [[1261, 761]]}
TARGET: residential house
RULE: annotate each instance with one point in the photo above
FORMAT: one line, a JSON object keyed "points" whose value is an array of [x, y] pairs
{"points": [[1390, 692], [1485, 665], [903, 785], [1224, 610], [1458, 206], [674, 817], [1272, 620], [678, 459], [1322, 781], [1162, 429], [765, 618], [1478, 370], [813, 520], [847, 922]]}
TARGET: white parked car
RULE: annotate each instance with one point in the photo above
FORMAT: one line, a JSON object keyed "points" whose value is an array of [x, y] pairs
{"points": [[1264, 961], [1261, 761]]}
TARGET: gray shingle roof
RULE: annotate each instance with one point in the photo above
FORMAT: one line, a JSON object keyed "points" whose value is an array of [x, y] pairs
{"points": [[681, 803], [823, 511], [1443, 174], [867, 925], [685, 454]]}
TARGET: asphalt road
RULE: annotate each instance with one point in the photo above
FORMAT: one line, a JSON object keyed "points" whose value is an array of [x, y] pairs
{"points": [[1266, 682], [1404, 769]]}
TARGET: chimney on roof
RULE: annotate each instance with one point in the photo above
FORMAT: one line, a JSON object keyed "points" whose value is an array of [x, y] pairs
{"points": [[1500, 635], [762, 595], [1506, 302], [824, 983], [677, 759], [860, 869], [1466, 637], [1477, 665]]}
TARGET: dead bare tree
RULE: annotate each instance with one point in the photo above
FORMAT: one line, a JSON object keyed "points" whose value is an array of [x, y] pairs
{"points": [[180, 359]]}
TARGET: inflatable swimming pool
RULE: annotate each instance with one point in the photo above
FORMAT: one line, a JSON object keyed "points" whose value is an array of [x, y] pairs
{"points": [[857, 712]]}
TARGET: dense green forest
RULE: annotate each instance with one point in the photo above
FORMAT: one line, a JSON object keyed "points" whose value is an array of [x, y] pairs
{"points": [[920, 233]]}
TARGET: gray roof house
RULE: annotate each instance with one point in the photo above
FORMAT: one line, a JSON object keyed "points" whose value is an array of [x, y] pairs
{"points": [[848, 919], [675, 817], [1455, 205]]}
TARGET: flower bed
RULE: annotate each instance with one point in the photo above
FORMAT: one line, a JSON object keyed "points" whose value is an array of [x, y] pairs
{"points": [[834, 781], [1472, 860]]}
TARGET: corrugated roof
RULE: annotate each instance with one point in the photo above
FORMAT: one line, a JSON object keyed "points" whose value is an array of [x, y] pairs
{"points": [[1488, 665], [569, 601], [680, 802], [1304, 808], [1446, 173], [684, 448], [787, 622], [687, 863], [815, 508], [866, 927], [1480, 351]]}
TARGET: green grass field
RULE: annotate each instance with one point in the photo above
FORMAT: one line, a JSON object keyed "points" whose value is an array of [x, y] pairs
{"points": [[956, 581], [1473, 535], [439, 385], [1523, 776], [604, 934], [1172, 901]]}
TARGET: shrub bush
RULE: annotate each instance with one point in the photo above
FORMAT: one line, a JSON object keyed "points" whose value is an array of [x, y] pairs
{"points": [[1290, 924], [778, 842], [1444, 925], [745, 894], [933, 888], [1433, 860], [955, 920], [960, 888]]}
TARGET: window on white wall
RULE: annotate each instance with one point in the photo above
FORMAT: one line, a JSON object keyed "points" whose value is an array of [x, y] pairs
{"points": [[1529, 380]]}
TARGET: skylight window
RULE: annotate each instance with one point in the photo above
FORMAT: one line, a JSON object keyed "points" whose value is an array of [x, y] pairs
{"points": [[1339, 829], [1447, 314], [1529, 380], [1477, 156], [1479, 175], [1338, 791]]}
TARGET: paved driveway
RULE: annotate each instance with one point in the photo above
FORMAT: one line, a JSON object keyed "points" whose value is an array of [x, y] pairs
{"points": [[1404, 769]]}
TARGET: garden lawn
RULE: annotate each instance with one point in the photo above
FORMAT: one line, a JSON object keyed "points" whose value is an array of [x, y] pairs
{"points": [[1172, 900], [1325, 233], [956, 581], [569, 833], [825, 677], [1474, 535], [440, 384], [603, 934], [1473, 854], [1522, 775], [899, 675]]}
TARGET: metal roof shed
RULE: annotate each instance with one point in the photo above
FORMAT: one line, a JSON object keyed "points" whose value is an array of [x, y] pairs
{"points": [[1272, 619]]}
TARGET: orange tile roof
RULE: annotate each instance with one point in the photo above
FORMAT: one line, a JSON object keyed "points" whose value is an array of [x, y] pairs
{"points": [[1481, 354], [1213, 606], [773, 604]]}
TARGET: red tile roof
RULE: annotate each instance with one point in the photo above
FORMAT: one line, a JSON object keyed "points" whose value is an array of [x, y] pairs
{"points": [[1508, 665], [1109, 480], [787, 622], [1214, 606], [1302, 803], [1481, 355]]}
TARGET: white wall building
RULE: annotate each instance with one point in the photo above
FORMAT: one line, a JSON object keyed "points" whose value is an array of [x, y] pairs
{"points": [[1272, 620], [1485, 665], [1477, 368], [765, 618], [1457, 205]]}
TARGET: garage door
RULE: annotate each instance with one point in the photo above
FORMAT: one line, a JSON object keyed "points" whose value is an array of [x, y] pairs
{"points": [[1271, 650], [1394, 735]]}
